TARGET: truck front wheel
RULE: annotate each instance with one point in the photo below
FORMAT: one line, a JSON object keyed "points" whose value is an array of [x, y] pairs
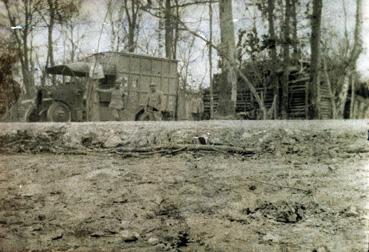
{"points": [[59, 112]]}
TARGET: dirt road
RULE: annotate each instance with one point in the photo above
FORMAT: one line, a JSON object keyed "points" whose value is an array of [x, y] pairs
{"points": [[304, 188]]}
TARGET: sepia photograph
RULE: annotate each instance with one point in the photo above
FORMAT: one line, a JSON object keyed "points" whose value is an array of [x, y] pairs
{"points": [[184, 125]]}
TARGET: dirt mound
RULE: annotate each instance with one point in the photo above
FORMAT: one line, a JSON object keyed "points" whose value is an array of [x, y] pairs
{"points": [[26, 141], [59, 138]]}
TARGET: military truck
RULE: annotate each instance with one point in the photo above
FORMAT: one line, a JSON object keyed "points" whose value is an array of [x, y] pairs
{"points": [[67, 102]]}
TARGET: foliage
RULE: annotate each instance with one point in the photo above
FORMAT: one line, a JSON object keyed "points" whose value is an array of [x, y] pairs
{"points": [[9, 89]]}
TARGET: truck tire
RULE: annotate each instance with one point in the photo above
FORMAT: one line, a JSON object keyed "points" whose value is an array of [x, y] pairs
{"points": [[32, 115], [59, 112], [142, 117]]}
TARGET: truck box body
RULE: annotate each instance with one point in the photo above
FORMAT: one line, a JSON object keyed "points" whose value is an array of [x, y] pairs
{"points": [[140, 71]]}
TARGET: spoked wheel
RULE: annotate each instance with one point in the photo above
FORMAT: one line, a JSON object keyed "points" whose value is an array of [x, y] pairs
{"points": [[59, 112]]}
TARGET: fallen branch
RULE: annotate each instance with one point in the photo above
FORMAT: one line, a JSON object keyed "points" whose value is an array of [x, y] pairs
{"points": [[172, 149]]}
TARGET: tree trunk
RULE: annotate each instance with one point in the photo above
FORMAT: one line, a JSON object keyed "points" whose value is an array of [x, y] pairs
{"points": [[113, 32], [273, 55], [24, 51], [314, 89], [351, 61], [161, 25], [331, 94], [50, 29], [50, 51], [211, 60], [73, 45], [295, 41], [342, 96], [286, 59], [228, 87], [352, 100], [175, 30], [132, 9], [168, 30], [92, 101], [131, 39]]}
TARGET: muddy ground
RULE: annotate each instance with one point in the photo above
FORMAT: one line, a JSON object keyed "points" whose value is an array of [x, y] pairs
{"points": [[298, 186]]}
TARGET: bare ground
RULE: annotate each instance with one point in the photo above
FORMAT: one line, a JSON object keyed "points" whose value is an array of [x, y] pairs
{"points": [[305, 189]]}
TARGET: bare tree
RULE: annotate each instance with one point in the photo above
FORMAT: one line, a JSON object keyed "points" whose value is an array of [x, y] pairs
{"points": [[115, 16], [73, 32], [9, 89], [350, 61], [228, 87], [211, 60], [233, 64], [132, 10], [168, 30], [273, 52], [329, 86], [20, 15], [171, 16], [313, 91], [286, 58], [295, 41], [53, 13]]}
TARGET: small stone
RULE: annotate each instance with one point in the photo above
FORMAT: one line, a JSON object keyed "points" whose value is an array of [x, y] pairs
{"points": [[150, 215], [270, 238], [161, 247], [129, 236], [351, 212], [195, 140], [245, 136], [57, 235], [332, 168], [295, 149], [215, 141], [113, 230], [332, 153], [97, 234], [112, 141], [124, 224], [153, 240], [252, 188], [321, 249], [300, 213], [292, 218], [37, 228]]}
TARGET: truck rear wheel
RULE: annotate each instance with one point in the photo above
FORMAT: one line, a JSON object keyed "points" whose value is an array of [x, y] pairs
{"points": [[32, 115], [142, 117], [59, 112]]}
